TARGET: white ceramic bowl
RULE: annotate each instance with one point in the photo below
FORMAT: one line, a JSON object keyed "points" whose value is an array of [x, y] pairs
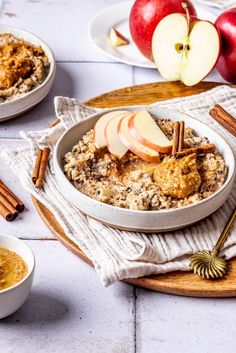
{"points": [[146, 221], [13, 297], [11, 109]]}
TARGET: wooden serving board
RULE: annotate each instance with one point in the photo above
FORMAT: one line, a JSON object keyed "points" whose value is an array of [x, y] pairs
{"points": [[179, 283]]}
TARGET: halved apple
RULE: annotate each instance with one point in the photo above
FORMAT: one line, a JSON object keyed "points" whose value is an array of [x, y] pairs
{"points": [[99, 129], [114, 144], [185, 48], [117, 39], [144, 129], [143, 152]]}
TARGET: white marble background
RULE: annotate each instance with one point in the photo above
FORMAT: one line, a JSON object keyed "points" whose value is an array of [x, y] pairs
{"points": [[68, 310]]}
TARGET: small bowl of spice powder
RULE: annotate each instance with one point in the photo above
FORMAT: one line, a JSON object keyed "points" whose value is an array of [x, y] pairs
{"points": [[16, 274]]}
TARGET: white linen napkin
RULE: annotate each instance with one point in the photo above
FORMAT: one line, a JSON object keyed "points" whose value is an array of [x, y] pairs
{"points": [[220, 4], [117, 254]]}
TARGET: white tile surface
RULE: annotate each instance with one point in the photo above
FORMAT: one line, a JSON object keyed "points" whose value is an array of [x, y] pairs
{"points": [[61, 23], [78, 80], [68, 310], [167, 324], [28, 224]]}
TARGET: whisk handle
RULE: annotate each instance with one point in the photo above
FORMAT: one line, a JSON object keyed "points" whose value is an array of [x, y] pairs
{"points": [[225, 233]]}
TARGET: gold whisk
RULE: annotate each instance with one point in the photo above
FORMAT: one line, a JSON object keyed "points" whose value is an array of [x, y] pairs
{"points": [[208, 264]]}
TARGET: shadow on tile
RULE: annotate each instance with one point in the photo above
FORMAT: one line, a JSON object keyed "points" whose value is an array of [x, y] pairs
{"points": [[40, 309]]}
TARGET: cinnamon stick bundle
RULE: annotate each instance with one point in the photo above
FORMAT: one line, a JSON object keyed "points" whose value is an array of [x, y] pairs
{"points": [[6, 213], [178, 143], [11, 197], [40, 167], [224, 118], [10, 205]]}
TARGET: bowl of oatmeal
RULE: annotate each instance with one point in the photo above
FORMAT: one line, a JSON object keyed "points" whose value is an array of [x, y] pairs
{"points": [[131, 193], [27, 71]]}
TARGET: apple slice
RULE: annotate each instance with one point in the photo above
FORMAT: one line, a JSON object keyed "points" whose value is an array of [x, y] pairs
{"points": [[99, 129], [143, 152], [117, 39], [114, 144], [185, 48], [144, 129]]}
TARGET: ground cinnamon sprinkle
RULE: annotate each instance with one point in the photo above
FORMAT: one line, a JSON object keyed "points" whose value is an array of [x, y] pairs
{"points": [[12, 268], [23, 67]]}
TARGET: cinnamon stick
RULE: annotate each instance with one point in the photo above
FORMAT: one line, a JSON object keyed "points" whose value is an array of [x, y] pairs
{"points": [[224, 118], [181, 136], [6, 213], [54, 123], [175, 138], [11, 197], [9, 206], [42, 169], [198, 150], [35, 173]]}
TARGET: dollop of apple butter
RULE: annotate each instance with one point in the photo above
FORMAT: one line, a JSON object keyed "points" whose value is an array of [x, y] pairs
{"points": [[178, 178], [22, 66], [12, 69]]}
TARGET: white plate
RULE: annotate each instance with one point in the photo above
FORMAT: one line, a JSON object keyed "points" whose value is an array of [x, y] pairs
{"points": [[145, 221], [11, 109], [118, 16]]}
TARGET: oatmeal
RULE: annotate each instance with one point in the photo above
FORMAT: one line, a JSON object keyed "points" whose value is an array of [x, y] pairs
{"points": [[23, 67], [132, 183]]}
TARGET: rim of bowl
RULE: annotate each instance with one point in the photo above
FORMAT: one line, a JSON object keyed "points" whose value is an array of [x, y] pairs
{"points": [[93, 23], [29, 272], [52, 61], [178, 210]]}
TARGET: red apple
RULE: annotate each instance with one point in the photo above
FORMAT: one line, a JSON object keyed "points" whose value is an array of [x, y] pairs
{"points": [[185, 48], [145, 16], [226, 25]]}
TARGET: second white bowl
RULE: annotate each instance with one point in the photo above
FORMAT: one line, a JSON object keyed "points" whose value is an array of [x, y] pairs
{"points": [[15, 107]]}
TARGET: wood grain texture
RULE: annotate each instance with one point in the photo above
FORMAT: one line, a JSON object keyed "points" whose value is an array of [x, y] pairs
{"points": [[179, 283], [148, 94]]}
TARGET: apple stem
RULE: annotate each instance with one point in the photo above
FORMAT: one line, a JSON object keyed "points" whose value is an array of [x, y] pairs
{"points": [[186, 8]]}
